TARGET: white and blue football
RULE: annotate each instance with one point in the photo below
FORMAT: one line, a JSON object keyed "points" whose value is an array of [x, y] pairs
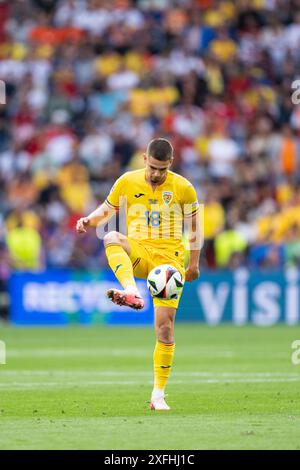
{"points": [[165, 282]]}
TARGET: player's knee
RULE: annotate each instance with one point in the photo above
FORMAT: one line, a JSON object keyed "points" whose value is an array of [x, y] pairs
{"points": [[165, 333], [112, 237]]}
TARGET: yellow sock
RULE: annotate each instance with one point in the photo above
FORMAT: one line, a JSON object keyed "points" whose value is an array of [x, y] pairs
{"points": [[121, 265], [162, 359]]}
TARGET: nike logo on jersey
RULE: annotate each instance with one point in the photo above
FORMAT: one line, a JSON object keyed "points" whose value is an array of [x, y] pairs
{"points": [[117, 267], [165, 367], [139, 195]]}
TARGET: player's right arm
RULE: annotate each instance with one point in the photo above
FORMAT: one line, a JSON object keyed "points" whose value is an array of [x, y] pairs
{"points": [[101, 216], [104, 212]]}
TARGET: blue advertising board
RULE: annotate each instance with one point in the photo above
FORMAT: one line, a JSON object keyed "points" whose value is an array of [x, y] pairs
{"points": [[239, 297], [65, 296]]}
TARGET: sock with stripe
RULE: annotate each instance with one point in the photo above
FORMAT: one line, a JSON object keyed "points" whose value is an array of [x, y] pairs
{"points": [[162, 360]]}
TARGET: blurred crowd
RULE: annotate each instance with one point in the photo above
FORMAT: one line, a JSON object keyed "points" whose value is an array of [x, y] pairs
{"points": [[90, 82]]}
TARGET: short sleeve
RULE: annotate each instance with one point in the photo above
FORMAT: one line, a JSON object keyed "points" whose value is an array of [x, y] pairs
{"points": [[114, 199], [190, 201]]}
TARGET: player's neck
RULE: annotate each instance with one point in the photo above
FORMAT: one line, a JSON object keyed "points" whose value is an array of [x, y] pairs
{"points": [[154, 185]]}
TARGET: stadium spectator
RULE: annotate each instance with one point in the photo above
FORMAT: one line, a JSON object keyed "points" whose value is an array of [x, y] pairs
{"points": [[228, 243], [88, 83], [24, 247]]}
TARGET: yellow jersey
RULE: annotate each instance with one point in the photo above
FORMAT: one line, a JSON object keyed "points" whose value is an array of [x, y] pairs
{"points": [[155, 216]]}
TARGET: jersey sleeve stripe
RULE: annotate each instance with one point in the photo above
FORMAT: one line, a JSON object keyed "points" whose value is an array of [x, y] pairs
{"points": [[111, 205], [194, 212]]}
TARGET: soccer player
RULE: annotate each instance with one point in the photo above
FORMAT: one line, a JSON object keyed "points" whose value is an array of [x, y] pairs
{"points": [[158, 204]]}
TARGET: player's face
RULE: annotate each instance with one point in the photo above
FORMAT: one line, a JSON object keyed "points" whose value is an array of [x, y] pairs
{"points": [[156, 171]]}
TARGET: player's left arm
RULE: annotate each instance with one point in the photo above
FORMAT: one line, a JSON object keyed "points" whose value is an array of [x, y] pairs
{"points": [[192, 226], [193, 271]]}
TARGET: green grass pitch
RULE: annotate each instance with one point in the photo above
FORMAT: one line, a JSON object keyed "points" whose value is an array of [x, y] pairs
{"points": [[89, 387]]}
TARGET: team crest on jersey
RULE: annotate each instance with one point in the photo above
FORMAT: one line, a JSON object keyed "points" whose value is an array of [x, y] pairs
{"points": [[167, 196]]}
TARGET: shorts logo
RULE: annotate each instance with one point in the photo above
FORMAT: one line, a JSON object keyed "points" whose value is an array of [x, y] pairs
{"points": [[167, 197]]}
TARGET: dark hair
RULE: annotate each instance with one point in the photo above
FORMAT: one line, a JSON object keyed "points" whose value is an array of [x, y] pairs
{"points": [[160, 149]]}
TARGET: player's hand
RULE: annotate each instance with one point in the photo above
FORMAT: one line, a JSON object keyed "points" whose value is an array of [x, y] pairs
{"points": [[192, 273], [82, 224]]}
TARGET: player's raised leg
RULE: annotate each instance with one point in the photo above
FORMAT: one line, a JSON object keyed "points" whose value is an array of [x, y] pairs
{"points": [[117, 251], [163, 355]]}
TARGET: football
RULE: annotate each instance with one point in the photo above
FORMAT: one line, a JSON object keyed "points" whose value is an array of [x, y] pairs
{"points": [[165, 282]]}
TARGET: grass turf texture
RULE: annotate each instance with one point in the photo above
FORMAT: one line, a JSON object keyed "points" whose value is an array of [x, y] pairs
{"points": [[88, 388]]}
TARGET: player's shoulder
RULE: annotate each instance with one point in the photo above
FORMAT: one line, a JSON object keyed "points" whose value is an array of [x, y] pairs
{"points": [[180, 180], [133, 175]]}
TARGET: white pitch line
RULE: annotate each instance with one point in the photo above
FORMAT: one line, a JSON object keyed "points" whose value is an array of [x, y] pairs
{"points": [[73, 384], [55, 352], [76, 352], [89, 373]]}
